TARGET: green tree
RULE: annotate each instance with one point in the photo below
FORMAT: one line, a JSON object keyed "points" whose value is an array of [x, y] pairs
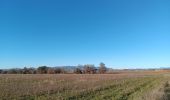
{"points": [[42, 70], [102, 68]]}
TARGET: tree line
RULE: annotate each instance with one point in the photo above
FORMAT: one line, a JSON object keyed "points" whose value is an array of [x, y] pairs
{"points": [[80, 69]]}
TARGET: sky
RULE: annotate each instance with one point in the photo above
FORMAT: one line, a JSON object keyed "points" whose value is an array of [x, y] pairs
{"points": [[120, 33]]}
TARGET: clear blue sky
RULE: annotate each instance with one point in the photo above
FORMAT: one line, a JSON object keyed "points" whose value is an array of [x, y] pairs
{"points": [[120, 33]]}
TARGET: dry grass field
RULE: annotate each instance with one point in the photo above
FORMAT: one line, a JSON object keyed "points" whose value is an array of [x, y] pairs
{"points": [[145, 85]]}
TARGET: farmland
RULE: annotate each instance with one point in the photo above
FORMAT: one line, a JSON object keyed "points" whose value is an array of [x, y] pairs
{"points": [[146, 85]]}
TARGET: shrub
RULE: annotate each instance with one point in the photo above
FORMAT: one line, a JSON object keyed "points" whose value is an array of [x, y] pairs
{"points": [[78, 71]]}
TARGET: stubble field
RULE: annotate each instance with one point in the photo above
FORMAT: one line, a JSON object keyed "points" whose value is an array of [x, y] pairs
{"points": [[147, 85]]}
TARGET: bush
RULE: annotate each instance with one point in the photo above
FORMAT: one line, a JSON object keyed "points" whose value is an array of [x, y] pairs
{"points": [[78, 71]]}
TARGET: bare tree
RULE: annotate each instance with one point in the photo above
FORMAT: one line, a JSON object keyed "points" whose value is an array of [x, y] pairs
{"points": [[89, 69]]}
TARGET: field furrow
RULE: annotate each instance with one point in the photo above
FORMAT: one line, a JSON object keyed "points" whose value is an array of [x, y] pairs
{"points": [[81, 87]]}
